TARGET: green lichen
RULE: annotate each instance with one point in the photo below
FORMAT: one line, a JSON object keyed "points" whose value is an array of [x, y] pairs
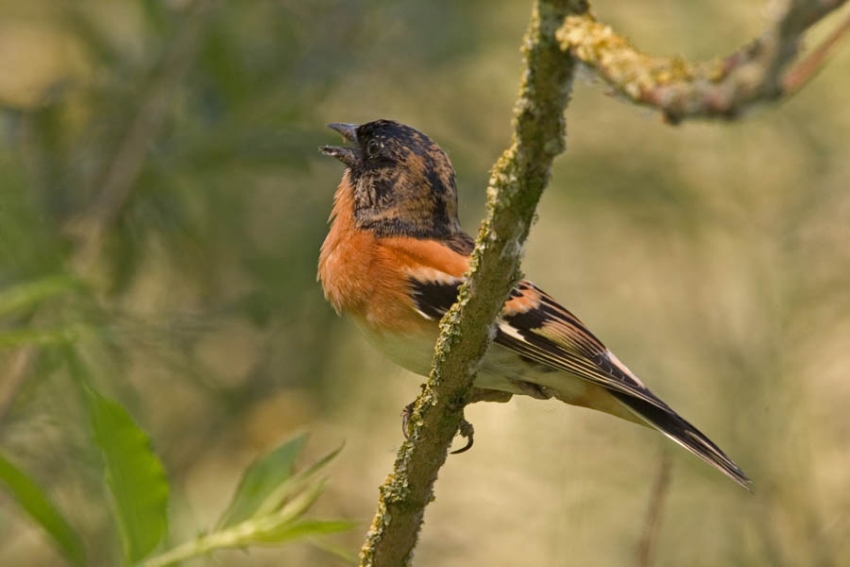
{"points": [[718, 88], [626, 68]]}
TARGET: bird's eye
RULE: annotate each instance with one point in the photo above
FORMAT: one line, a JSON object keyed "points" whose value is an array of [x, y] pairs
{"points": [[372, 148]]}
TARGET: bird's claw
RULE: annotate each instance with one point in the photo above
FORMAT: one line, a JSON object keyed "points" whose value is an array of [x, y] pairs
{"points": [[468, 432], [465, 429]]}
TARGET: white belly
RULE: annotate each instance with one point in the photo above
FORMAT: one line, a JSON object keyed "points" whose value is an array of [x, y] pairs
{"points": [[413, 352], [501, 370]]}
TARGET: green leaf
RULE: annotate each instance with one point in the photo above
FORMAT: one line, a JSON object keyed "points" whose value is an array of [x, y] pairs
{"points": [[297, 483], [30, 294], [260, 480], [305, 495], [134, 475], [38, 506], [133, 472], [302, 530], [272, 500], [36, 337]]}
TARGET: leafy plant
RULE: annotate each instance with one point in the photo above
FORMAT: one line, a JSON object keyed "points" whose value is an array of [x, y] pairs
{"points": [[268, 507], [132, 471]]}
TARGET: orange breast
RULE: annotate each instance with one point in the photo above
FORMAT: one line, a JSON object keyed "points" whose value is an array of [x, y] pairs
{"points": [[367, 277]]}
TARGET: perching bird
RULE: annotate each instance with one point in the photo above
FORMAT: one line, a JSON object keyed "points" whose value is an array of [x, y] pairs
{"points": [[396, 255]]}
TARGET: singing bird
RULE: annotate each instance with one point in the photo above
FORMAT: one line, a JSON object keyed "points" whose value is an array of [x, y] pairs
{"points": [[395, 256]]}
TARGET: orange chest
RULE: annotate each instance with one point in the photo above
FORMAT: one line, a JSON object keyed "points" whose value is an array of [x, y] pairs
{"points": [[368, 277], [362, 280]]}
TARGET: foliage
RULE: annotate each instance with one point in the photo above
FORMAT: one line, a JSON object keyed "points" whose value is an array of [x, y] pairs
{"points": [[268, 507], [133, 473], [36, 503]]}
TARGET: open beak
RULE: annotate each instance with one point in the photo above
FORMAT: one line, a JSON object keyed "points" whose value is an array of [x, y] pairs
{"points": [[347, 155]]}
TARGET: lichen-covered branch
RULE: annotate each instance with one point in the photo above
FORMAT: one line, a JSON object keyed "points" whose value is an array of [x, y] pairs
{"points": [[515, 186], [721, 88]]}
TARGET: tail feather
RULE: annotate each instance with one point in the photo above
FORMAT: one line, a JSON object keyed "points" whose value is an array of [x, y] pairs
{"points": [[679, 430]]}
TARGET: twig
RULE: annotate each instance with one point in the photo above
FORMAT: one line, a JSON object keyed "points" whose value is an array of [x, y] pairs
{"points": [[803, 72], [652, 522], [515, 186], [123, 172], [714, 89]]}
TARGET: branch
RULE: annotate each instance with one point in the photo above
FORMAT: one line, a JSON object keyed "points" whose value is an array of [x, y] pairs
{"points": [[123, 172], [652, 521], [515, 186], [721, 88], [797, 77]]}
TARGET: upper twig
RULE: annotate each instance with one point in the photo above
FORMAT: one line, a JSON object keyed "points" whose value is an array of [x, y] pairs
{"points": [[720, 88]]}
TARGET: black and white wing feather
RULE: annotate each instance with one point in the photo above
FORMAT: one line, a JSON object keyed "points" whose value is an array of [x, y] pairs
{"points": [[536, 327]]}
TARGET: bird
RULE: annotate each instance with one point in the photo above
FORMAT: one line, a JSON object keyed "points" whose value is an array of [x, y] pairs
{"points": [[395, 256]]}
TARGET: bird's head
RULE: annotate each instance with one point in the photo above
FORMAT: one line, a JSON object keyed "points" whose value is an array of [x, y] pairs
{"points": [[403, 183]]}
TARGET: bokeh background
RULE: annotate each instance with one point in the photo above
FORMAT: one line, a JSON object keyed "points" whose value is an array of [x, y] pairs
{"points": [[165, 153]]}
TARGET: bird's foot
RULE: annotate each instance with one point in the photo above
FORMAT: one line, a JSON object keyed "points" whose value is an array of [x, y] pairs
{"points": [[465, 430], [405, 419]]}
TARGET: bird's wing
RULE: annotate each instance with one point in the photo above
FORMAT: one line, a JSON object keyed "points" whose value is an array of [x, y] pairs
{"points": [[535, 326]]}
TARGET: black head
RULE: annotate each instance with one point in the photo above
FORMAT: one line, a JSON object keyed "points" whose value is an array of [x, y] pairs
{"points": [[403, 182]]}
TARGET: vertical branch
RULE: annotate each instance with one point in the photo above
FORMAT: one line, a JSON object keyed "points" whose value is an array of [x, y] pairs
{"points": [[123, 171], [516, 184]]}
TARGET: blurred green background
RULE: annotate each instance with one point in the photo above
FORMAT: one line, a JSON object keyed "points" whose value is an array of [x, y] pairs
{"points": [[164, 152]]}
